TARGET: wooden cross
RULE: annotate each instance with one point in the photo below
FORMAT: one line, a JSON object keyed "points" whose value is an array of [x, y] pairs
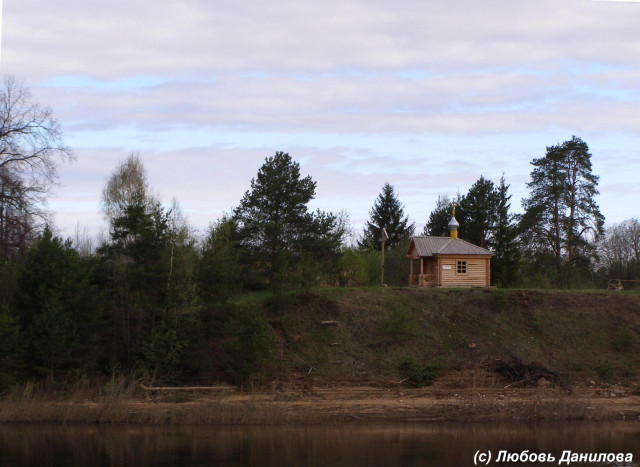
{"points": [[383, 238]]}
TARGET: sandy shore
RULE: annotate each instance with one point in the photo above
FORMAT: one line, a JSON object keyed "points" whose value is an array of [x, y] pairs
{"points": [[334, 404]]}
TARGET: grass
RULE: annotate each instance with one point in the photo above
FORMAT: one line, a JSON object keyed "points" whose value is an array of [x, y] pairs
{"points": [[565, 331], [84, 400], [604, 369]]}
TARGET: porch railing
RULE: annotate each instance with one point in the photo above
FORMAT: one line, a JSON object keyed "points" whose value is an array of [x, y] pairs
{"points": [[421, 280]]}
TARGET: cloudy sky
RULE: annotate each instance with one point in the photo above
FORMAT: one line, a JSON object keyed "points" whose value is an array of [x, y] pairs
{"points": [[427, 95]]}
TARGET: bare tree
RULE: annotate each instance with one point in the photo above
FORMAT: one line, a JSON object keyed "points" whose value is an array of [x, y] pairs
{"points": [[619, 250], [84, 242], [31, 146], [18, 207]]}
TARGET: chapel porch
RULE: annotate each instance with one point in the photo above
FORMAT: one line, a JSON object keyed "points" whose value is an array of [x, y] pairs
{"points": [[422, 272]]}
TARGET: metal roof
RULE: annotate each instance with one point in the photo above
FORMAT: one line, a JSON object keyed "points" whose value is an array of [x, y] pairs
{"points": [[432, 246]]}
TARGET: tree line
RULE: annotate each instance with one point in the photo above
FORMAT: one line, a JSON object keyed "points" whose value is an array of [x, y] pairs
{"points": [[155, 299], [558, 241]]}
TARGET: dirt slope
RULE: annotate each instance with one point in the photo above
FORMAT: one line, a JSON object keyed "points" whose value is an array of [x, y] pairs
{"points": [[361, 336]]}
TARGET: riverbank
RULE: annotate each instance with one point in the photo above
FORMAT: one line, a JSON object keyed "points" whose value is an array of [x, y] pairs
{"points": [[337, 404], [344, 355], [356, 337]]}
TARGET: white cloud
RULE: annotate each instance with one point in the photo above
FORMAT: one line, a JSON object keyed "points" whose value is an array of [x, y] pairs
{"points": [[120, 38], [427, 95], [378, 103]]}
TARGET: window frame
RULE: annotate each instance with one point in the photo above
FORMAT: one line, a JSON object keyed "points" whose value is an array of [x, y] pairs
{"points": [[461, 266]]}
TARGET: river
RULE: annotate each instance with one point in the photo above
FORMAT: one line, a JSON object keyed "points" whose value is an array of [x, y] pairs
{"points": [[411, 444]]}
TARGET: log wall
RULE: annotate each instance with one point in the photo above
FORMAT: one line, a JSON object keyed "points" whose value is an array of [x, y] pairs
{"points": [[477, 274]]}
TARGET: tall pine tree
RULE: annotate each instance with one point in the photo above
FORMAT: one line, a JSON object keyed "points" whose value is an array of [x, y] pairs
{"points": [[275, 225], [561, 216]]}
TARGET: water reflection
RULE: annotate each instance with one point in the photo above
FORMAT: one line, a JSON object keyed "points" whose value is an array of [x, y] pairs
{"points": [[342, 445]]}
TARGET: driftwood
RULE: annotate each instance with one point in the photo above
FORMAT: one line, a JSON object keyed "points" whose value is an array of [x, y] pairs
{"points": [[526, 380], [398, 382], [188, 388]]}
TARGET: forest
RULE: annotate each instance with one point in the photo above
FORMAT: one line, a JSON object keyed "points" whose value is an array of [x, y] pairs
{"points": [[155, 299]]}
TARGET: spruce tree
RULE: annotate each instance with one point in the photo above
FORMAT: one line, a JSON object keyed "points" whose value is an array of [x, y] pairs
{"points": [[506, 260], [438, 223], [479, 206], [220, 271], [387, 213], [58, 307]]}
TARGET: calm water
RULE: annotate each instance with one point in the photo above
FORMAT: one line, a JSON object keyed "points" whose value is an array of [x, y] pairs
{"points": [[404, 445]]}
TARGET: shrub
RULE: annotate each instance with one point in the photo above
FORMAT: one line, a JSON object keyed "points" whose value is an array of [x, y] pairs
{"points": [[161, 351], [499, 302], [624, 340], [604, 369], [419, 374], [398, 322], [250, 345]]}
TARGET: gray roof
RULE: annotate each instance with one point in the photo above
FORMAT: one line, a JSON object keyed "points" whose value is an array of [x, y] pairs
{"points": [[432, 246]]}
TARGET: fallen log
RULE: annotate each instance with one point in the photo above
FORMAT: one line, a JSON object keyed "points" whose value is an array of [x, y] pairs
{"points": [[188, 388]]}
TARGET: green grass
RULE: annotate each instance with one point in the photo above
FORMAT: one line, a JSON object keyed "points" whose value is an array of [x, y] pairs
{"points": [[568, 332]]}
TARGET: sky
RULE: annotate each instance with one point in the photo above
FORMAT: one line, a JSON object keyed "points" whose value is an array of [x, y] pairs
{"points": [[426, 95]]}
